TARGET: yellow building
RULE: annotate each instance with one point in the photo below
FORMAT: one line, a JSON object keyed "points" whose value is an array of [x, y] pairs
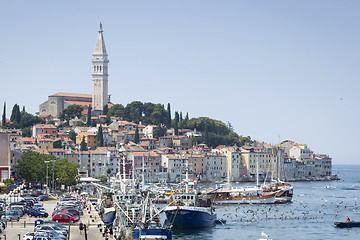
{"points": [[45, 143], [233, 163], [254, 158], [90, 139]]}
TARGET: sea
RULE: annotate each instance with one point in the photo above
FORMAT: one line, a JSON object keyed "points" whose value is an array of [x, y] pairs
{"points": [[311, 215]]}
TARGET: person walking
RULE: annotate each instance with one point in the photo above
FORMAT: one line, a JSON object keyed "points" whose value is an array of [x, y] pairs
{"points": [[81, 227]]}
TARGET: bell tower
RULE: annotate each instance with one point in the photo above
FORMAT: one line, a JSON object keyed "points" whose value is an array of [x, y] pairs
{"points": [[100, 96]]}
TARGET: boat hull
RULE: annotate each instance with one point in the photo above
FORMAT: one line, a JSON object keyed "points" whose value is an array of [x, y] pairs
{"points": [[189, 217], [347, 224], [152, 234], [245, 200]]}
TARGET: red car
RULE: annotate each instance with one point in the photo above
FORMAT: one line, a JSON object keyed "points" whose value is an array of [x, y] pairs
{"points": [[63, 217]]}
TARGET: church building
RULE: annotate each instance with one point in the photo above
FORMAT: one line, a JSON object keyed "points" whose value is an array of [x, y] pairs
{"points": [[56, 103]]}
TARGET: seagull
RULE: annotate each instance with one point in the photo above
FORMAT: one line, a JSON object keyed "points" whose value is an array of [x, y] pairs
{"points": [[264, 235]]}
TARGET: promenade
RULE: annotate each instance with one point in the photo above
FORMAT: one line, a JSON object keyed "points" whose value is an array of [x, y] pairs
{"points": [[16, 230]]}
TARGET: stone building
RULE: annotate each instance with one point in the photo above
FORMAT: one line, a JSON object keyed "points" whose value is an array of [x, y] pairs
{"points": [[56, 103]]}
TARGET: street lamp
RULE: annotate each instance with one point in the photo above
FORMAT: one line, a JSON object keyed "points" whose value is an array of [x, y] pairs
{"points": [[53, 182], [47, 177]]}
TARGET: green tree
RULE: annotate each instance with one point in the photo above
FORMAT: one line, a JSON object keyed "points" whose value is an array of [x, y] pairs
{"points": [[181, 117], [105, 109], [100, 136], [133, 112], [83, 145], [4, 117], [72, 135], [15, 114], [66, 172], [88, 122], [168, 123], [31, 167], [71, 112], [102, 178], [107, 120], [206, 136], [230, 126], [117, 110], [8, 182], [159, 132], [26, 132], [57, 144], [176, 122], [136, 138], [27, 120]]}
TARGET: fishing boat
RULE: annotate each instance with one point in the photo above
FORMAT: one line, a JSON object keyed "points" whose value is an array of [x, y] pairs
{"points": [[136, 215], [188, 210], [285, 191], [349, 224], [242, 195]]}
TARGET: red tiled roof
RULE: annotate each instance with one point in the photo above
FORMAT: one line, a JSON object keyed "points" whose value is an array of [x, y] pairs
{"points": [[81, 103], [61, 94], [140, 154], [45, 126]]}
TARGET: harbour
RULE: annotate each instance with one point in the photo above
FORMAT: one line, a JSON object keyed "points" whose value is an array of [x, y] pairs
{"points": [[310, 215]]}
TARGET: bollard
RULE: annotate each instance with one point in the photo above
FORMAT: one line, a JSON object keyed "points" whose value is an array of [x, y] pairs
{"points": [[24, 224]]}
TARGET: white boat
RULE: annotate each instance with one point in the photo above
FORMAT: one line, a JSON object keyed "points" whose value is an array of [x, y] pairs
{"points": [[243, 195]]}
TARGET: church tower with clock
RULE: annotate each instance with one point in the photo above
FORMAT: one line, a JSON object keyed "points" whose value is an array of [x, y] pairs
{"points": [[100, 75]]}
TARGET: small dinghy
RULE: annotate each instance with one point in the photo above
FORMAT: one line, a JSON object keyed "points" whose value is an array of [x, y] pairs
{"points": [[347, 224]]}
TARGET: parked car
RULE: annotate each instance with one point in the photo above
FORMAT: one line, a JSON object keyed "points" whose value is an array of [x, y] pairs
{"points": [[71, 212], [43, 197], [48, 227], [11, 216], [51, 223], [37, 213], [63, 217]]}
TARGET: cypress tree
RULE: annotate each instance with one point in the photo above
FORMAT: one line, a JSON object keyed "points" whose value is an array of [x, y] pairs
{"points": [[168, 115], [100, 137], [136, 138], [4, 116], [13, 113], [18, 114], [181, 118], [83, 145], [88, 123], [176, 124]]}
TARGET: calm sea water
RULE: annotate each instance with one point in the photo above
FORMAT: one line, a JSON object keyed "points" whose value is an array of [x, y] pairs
{"points": [[311, 215]]}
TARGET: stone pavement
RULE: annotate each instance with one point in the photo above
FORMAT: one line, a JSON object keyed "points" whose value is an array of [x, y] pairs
{"points": [[16, 230]]}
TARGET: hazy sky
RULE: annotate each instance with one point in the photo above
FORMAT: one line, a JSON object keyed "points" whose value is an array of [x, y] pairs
{"points": [[288, 68]]}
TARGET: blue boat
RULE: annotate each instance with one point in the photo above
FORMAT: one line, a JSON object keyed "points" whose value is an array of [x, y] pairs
{"points": [[191, 215], [188, 210], [165, 234]]}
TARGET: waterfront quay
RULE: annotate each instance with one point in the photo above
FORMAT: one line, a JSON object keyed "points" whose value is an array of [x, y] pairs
{"points": [[16, 229]]}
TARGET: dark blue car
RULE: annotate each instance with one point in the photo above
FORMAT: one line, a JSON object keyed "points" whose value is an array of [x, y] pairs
{"points": [[37, 213]]}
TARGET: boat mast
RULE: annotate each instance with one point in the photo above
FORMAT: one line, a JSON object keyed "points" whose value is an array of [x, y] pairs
{"points": [[187, 176], [271, 164], [257, 169], [278, 161], [228, 172], [124, 174], [143, 175]]}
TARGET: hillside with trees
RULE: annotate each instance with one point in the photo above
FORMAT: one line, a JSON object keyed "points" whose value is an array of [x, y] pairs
{"points": [[214, 132]]}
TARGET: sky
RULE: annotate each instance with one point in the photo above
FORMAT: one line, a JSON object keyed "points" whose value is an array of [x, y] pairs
{"points": [[273, 69]]}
